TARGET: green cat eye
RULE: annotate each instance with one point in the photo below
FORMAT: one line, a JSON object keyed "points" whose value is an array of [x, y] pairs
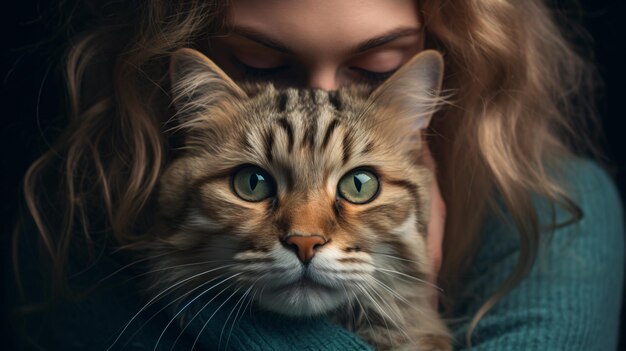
{"points": [[253, 184], [358, 186]]}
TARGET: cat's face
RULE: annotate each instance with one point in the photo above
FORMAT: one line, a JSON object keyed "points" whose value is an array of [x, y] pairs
{"points": [[304, 198]]}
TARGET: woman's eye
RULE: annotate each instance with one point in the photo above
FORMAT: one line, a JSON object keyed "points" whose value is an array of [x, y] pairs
{"points": [[250, 72], [253, 184], [374, 77], [358, 186]]}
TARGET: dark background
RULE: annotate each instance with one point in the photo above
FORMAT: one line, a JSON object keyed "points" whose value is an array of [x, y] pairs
{"points": [[32, 94]]}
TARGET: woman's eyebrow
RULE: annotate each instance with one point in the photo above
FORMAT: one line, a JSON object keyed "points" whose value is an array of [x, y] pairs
{"points": [[263, 39], [383, 39], [255, 35]]}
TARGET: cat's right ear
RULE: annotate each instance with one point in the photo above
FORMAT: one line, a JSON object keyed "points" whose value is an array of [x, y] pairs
{"points": [[198, 83], [414, 90]]}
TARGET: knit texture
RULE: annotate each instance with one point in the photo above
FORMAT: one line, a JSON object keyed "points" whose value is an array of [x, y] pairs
{"points": [[570, 300]]}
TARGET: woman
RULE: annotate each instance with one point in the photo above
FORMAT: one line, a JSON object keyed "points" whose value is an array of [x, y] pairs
{"points": [[533, 233]]}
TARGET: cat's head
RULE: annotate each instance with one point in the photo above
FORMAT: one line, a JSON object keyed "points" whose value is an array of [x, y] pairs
{"points": [[306, 198]]}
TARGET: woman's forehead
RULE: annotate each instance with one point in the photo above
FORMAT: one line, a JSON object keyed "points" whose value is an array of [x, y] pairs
{"points": [[319, 26]]}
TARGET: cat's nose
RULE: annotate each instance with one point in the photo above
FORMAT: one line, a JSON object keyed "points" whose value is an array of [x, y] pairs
{"points": [[305, 246]]}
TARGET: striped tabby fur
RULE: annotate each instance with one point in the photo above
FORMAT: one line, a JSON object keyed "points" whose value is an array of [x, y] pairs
{"points": [[371, 273]]}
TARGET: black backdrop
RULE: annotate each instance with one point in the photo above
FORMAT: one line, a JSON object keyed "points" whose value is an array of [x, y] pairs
{"points": [[31, 93]]}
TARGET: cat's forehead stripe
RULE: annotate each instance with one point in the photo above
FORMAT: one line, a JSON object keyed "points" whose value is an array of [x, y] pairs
{"points": [[310, 118], [335, 100], [368, 148], [308, 109], [347, 147], [282, 101], [269, 145], [307, 100], [286, 126], [310, 132], [329, 132]]}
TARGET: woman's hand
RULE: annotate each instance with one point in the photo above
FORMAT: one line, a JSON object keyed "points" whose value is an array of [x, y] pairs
{"points": [[436, 225]]}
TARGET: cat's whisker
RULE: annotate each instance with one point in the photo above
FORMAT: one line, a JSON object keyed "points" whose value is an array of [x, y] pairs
{"points": [[149, 303], [177, 266], [363, 310], [382, 300], [393, 292], [184, 327], [137, 330], [262, 289], [130, 265], [397, 295], [397, 313], [390, 271], [187, 305], [250, 302], [395, 257], [237, 306], [386, 304], [171, 303], [380, 310], [232, 310], [350, 307], [211, 317]]}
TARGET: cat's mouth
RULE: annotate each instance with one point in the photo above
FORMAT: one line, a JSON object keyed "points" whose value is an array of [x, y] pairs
{"points": [[303, 296], [304, 284]]}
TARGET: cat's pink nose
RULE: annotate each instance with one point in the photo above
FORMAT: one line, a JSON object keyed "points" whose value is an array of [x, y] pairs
{"points": [[305, 246]]}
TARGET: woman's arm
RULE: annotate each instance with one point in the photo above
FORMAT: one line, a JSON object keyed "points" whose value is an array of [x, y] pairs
{"points": [[571, 299], [99, 320], [261, 330]]}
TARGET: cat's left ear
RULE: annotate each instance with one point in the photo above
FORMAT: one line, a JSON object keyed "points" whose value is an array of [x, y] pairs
{"points": [[414, 89], [197, 82]]}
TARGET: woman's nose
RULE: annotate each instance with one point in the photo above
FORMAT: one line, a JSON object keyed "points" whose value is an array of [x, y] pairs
{"points": [[323, 78]]}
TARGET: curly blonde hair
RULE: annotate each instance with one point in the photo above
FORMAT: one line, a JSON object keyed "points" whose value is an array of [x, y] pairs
{"points": [[521, 94]]}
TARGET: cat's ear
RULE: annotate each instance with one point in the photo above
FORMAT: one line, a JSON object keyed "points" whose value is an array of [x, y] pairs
{"points": [[414, 89], [197, 82]]}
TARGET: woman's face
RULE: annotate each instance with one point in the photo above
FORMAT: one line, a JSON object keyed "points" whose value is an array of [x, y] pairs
{"points": [[318, 43]]}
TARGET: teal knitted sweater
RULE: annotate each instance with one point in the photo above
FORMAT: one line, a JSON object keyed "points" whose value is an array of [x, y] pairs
{"points": [[570, 300]]}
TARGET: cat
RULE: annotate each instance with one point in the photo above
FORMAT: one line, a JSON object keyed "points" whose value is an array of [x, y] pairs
{"points": [[319, 197]]}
